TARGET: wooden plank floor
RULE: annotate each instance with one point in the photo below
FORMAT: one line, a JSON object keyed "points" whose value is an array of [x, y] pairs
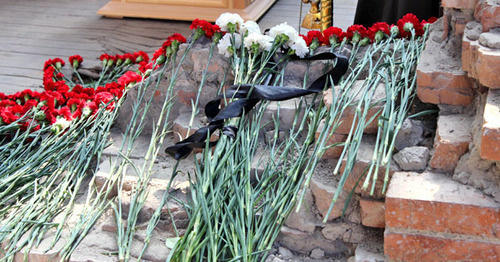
{"points": [[33, 31]]}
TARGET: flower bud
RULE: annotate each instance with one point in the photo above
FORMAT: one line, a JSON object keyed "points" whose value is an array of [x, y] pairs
{"points": [[231, 28], [217, 36], [394, 31], [379, 36], [198, 33], [160, 60], [364, 41], [333, 40], [408, 27], [356, 37], [315, 44], [40, 115]]}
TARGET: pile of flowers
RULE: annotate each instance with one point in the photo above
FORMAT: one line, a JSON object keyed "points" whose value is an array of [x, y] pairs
{"points": [[67, 99], [358, 34]]}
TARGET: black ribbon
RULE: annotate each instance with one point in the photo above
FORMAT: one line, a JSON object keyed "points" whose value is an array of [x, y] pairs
{"points": [[249, 96]]}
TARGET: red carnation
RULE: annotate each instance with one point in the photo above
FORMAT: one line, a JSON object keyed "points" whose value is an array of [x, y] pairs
{"points": [[356, 33], [56, 62], [64, 112], [145, 67], [166, 44], [176, 40], [47, 65], [333, 35], [104, 57], [104, 98], [129, 77], [75, 60], [159, 56], [314, 39], [88, 108], [425, 24], [141, 56], [378, 31], [432, 19], [119, 59], [202, 27], [177, 37], [408, 22], [129, 58]]}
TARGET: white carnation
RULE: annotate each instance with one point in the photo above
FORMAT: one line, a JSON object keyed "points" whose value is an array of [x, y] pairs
{"points": [[264, 42], [60, 124], [226, 18], [300, 47], [285, 29], [226, 42], [250, 27]]}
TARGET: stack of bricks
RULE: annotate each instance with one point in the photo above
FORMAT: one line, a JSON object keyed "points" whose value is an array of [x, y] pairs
{"points": [[430, 217]]}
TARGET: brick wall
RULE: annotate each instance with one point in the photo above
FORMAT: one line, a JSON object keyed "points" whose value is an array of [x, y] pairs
{"points": [[433, 216]]}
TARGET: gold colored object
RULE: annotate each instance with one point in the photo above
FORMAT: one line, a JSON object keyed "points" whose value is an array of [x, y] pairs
{"points": [[326, 14], [312, 20], [316, 18]]}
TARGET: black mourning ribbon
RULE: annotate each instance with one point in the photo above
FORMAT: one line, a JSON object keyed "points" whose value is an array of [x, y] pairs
{"points": [[248, 96]]}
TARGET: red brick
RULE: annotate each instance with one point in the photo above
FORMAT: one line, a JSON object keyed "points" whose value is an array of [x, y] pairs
{"points": [[488, 12], [372, 213], [444, 87], [459, 4], [186, 98], [446, 26], [436, 203], [333, 151], [490, 135], [453, 136], [323, 192], [421, 247], [481, 62]]}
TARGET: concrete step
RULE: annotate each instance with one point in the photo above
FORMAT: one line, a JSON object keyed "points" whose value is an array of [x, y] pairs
{"points": [[430, 217]]}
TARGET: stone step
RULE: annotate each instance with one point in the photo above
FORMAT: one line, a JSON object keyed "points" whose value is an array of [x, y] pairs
{"points": [[481, 56], [490, 135], [334, 143], [324, 185], [180, 126], [347, 117], [442, 83], [431, 217], [284, 113], [453, 136], [363, 160]]}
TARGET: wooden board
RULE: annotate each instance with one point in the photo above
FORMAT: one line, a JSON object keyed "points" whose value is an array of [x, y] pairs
{"points": [[182, 12]]}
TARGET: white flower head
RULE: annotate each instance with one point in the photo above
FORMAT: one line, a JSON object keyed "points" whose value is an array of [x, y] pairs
{"points": [[250, 27], [60, 124], [228, 20], [262, 42], [228, 44], [300, 47], [284, 29]]}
